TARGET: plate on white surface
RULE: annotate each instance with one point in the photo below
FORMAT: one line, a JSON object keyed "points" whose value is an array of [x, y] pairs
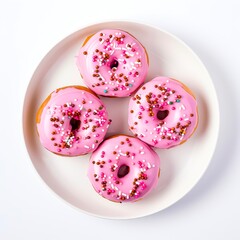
{"points": [[181, 167]]}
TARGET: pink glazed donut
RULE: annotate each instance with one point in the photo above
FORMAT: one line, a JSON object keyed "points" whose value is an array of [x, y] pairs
{"points": [[72, 121], [124, 169], [163, 113], [112, 63]]}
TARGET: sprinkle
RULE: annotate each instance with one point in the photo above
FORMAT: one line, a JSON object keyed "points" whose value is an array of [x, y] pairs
{"points": [[130, 85], [178, 100], [105, 90], [182, 107], [86, 146]]}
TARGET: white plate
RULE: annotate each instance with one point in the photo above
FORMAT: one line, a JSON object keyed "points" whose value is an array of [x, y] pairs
{"points": [[181, 167]]}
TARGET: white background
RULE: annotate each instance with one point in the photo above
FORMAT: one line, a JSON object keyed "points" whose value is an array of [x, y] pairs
{"points": [[28, 29]]}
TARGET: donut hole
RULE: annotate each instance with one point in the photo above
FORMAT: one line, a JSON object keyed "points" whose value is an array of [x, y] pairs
{"points": [[114, 64], [123, 171], [162, 114], [75, 124]]}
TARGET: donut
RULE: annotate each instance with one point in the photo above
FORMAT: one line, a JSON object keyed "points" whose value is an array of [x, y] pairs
{"points": [[112, 63], [72, 121], [124, 169], [163, 113]]}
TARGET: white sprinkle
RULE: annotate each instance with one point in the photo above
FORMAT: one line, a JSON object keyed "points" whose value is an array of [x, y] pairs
{"points": [[153, 165], [142, 152], [149, 165], [86, 146], [75, 99], [141, 148], [90, 101], [93, 146], [116, 147], [182, 107]]}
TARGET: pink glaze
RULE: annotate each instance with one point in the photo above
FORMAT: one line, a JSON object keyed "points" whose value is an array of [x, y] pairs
{"points": [[115, 154], [113, 63], [156, 98], [74, 122]]}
